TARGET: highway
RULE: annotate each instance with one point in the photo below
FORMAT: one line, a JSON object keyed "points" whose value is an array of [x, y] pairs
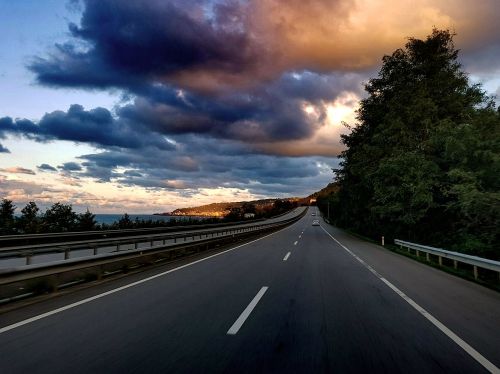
{"points": [[304, 299]]}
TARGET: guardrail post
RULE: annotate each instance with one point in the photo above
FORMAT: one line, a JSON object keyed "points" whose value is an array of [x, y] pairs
{"points": [[455, 264], [136, 245], [118, 247], [475, 272], [66, 253], [440, 261], [418, 253], [427, 256], [152, 242], [28, 259]]}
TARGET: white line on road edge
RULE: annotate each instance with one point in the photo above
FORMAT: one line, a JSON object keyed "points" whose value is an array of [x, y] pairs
{"points": [[295, 243], [286, 256], [87, 300], [244, 315], [459, 341]]}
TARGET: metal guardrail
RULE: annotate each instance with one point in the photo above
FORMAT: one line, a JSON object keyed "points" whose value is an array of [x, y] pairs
{"points": [[30, 251], [476, 262], [11, 240], [25, 239], [24, 281], [96, 246]]}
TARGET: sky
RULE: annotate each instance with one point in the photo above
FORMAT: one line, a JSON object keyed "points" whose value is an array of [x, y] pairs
{"points": [[150, 105]]}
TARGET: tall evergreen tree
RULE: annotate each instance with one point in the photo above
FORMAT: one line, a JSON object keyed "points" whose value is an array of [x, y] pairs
{"points": [[29, 220], [7, 209], [86, 221]]}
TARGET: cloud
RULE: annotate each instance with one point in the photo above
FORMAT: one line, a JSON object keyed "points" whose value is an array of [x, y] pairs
{"points": [[70, 166], [118, 52], [46, 167], [259, 174], [3, 149], [212, 46], [17, 170], [96, 126]]}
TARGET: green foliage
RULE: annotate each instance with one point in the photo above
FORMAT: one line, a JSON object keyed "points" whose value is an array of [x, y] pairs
{"points": [[7, 209], [86, 221], [59, 217], [29, 222], [423, 161], [125, 222]]}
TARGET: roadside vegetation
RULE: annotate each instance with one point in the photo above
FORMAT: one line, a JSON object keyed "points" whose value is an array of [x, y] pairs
{"points": [[422, 162]]}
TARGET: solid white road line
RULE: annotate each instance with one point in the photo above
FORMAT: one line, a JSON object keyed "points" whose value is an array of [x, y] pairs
{"points": [[286, 256], [459, 341], [87, 300], [295, 243], [244, 315]]}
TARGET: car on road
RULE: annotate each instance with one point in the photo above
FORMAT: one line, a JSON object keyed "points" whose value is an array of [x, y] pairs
{"points": [[315, 222], [313, 214]]}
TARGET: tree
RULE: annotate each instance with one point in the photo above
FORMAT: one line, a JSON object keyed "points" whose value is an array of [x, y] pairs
{"points": [[248, 207], [125, 222], [86, 221], [29, 221], [7, 209], [422, 161], [59, 217]]}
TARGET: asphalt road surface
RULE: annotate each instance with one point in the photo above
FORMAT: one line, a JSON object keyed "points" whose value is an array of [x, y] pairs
{"points": [[304, 299]]}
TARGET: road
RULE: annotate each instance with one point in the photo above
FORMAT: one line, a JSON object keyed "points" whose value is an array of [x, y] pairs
{"points": [[304, 299]]}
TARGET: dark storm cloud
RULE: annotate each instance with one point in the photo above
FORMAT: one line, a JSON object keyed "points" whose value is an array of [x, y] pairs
{"points": [[70, 166], [96, 126], [271, 112], [268, 113], [46, 167], [172, 65], [125, 43]]}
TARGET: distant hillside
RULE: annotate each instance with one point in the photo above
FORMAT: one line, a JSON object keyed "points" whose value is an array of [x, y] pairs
{"points": [[223, 209], [328, 190]]}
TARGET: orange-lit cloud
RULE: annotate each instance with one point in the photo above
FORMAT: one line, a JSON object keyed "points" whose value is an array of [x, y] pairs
{"points": [[345, 35], [17, 170]]}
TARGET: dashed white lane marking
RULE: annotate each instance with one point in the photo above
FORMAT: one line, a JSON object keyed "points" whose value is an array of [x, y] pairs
{"points": [[295, 243], [459, 341], [87, 300], [286, 256], [300, 236], [233, 330]]}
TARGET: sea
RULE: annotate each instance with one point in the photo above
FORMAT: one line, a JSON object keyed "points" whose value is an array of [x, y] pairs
{"points": [[110, 218]]}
